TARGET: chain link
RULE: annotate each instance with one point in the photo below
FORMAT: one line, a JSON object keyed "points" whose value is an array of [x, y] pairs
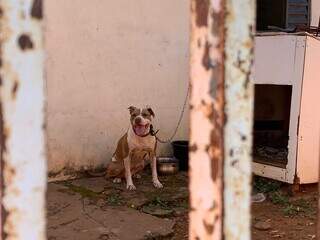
{"points": [[179, 121]]}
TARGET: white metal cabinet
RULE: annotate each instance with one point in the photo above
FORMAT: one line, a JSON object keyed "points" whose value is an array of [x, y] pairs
{"points": [[293, 60], [309, 127]]}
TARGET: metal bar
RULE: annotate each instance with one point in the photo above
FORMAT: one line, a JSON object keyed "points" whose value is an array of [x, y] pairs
{"points": [[206, 119], [221, 88], [239, 96], [22, 105]]}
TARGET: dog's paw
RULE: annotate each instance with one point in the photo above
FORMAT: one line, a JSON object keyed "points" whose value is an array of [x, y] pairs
{"points": [[117, 180], [157, 184], [131, 187]]}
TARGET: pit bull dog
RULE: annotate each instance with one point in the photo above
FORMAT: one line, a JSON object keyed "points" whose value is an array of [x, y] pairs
{"points": [[135, 149]]}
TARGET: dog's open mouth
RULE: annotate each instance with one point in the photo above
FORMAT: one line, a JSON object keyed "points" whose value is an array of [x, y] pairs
{"points": [[141, 130]]}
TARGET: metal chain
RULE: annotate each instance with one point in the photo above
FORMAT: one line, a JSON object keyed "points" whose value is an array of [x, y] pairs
{"points": [[179, 121]]}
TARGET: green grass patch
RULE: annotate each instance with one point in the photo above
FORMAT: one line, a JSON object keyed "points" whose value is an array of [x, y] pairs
{"points": [[279, 198], [84, 192], [264, 185], [114, 199]]}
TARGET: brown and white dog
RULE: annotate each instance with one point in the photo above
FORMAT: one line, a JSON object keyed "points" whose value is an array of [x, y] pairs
{"points": [[134, 148]]}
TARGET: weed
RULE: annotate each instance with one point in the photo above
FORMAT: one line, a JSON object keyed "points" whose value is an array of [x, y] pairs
{"points": [[265, 185], [300, 206], [290, 210], [279, 198], [158, 202], [272, 189], [114, 200], [84, 192]]}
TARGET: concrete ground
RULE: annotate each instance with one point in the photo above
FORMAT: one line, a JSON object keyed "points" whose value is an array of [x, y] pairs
{"points": [[93, 208]]}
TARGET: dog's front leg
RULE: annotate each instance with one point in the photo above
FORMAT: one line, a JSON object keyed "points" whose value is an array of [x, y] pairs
{"points": [[155, 179], [127, 167]]}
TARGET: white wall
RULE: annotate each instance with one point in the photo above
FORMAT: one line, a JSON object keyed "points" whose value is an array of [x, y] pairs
{"points": [[315, 12], [103, 56]]}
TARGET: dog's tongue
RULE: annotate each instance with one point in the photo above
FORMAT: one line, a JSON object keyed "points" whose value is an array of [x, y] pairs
{"points": [[140, 130]]}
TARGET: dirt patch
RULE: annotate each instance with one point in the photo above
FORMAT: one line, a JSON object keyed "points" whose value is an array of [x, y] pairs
{"points": [[288, 217]]}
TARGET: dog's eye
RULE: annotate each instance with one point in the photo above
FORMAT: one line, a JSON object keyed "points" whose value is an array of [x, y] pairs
{"points": [[133, 115]]}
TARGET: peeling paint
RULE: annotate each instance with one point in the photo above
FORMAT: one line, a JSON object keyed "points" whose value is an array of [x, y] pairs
{"points": [[25, 42], [37, 9], [14, 89], [202, 11]]}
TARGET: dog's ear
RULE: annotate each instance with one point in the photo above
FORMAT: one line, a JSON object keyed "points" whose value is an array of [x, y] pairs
{"points": [[131, 109], [150, 111]]}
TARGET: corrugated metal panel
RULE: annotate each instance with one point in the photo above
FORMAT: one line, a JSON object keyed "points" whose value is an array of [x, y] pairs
{"points": [[298, 13]]}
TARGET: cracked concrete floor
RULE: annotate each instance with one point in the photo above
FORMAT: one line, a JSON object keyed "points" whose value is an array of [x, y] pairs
{"points": [[93, 208]]}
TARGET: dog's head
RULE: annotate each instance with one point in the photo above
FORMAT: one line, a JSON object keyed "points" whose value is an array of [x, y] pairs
{"points": [[141, 119]]}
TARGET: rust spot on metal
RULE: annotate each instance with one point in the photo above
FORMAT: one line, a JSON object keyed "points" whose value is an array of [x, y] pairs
{"points": [[3, 137], [193, 148], [209, 227], [199, 43], [25, 42], [2, 134], [217, 91], [36, 10], [218, 21], [231, 153], [216, 159], [215, 150], [234, 162], [206, 57], [214, 206], [14, 89], [10, 174], [248, 73], [202, 12], [207, 148]]}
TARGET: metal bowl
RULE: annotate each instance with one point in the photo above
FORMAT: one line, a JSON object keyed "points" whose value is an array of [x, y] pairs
{"points": [[167, 165]]}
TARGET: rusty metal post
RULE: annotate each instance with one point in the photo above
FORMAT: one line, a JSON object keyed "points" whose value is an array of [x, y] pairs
{"points": [[221, 106], [22, 119], [207, 119], [239, 25]]}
